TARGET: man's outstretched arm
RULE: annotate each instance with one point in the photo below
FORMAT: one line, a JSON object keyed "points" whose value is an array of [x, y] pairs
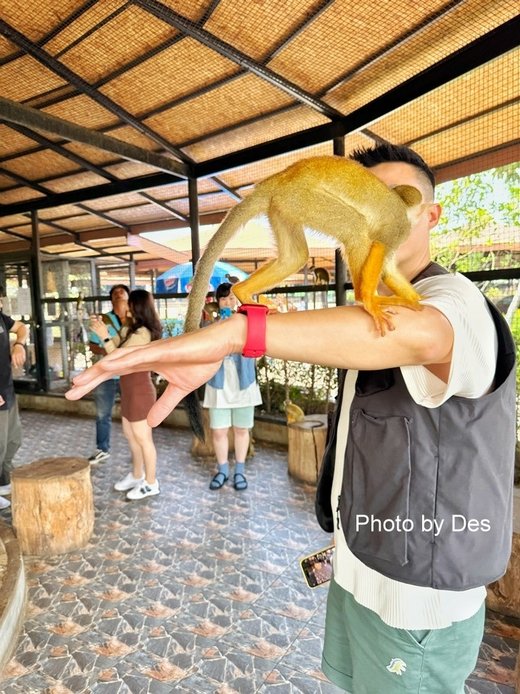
{"points": [[342, 337]]}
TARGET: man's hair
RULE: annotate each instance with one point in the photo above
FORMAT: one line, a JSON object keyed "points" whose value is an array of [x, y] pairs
{"points": [[119, 286], [223, 290], [386, 153]]}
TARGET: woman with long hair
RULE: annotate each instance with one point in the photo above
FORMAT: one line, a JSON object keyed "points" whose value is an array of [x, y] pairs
{"points": [[138, 394]]}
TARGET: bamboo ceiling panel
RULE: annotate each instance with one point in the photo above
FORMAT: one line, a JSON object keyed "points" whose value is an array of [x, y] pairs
{"points": [[139, 214], [94, 155], [5, 182], [352, 32], [62, 248], [115, 202], [13, 142], [471, 138], [292, 120], [77, 181], [62, 212], [84, 111], [132, 136], [128, 35], [460, 26], [38, 18], [234, 102], [181, 206], [258, 31], [192, 9], [19, 194], [40, 165], [82, 223], [13, 220], [180, 190], [122, 249], [173, 74], [214, 203], [107, 242], [252, 173], [131, 169], [84, 23], [24, 229], [6, 48], [82, 253], [24, 78], [491, 86]]}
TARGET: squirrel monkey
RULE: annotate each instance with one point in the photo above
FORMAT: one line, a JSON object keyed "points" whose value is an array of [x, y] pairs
{"points": [[334, 196], [321, 275]]}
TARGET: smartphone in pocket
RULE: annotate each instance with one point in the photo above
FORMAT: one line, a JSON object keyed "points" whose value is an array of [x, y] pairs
{"points": [[317, 567]]}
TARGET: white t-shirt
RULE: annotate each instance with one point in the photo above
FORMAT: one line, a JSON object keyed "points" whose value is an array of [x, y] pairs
{"points": [[230, 396], [471, 375]]}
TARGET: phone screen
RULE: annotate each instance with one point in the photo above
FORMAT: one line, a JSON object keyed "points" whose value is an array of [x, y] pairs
{"points": [[317, 567]]}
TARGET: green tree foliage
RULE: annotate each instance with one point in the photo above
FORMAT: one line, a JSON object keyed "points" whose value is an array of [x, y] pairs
{"points": [[480, 212]]}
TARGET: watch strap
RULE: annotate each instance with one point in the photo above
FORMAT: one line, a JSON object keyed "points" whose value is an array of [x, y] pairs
{"points": [[256, 328]]}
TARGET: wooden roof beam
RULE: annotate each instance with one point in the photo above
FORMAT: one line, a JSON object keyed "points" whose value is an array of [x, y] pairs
{"points": [[70, 76], [84, 163], [13, 112], [104, 190]]}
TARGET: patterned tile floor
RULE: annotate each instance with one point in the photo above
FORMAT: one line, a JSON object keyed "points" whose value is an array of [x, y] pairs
{"points": [[190, 591]]}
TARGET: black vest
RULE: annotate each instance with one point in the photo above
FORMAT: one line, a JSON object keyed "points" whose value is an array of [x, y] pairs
{"points": [[427, 492]]}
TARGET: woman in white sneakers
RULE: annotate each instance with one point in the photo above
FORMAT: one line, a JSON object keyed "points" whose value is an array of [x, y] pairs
{"points": [[138, 394]]}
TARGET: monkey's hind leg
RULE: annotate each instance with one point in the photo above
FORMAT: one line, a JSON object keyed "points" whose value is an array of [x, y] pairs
{"points": [[293, 253], [366, 291], [405, 294]]}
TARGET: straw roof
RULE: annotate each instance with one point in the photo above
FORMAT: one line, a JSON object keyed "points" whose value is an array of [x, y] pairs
{"points": [[113, 111]]}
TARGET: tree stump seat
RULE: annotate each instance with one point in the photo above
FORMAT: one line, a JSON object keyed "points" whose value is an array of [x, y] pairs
{"points": [[306, 441], [52, 505]]}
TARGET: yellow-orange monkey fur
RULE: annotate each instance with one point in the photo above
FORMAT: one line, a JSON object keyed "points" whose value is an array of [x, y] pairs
{"points": [[334, 196]]}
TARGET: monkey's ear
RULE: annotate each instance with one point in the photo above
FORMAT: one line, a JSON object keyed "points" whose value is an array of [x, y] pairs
{"points": [[409, 195]]}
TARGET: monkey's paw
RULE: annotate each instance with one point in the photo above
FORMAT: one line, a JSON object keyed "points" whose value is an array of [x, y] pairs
{"points": [[266, 301], [381, 310]]}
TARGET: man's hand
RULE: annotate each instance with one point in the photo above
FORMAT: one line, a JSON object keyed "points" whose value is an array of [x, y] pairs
{"points": [[186, 362], [17, 355]]}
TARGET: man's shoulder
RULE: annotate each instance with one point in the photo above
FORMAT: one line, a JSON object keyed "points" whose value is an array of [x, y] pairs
{"points": [[448, 283], [7, 320]]}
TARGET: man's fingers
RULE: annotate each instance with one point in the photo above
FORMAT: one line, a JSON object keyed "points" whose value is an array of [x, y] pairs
{"points": [[78, 390], [166, 403]]}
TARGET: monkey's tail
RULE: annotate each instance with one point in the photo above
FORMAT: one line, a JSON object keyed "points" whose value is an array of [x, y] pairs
{"points": [[256, 204], [194, 412]]}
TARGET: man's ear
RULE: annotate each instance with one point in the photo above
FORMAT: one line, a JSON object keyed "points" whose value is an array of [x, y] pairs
{"points": [[434, 214]]}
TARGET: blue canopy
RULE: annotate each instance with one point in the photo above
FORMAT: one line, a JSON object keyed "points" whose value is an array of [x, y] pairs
{"points": [[178, 279]]}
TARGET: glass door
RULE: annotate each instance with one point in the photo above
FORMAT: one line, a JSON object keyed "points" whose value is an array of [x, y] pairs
{"points": [[15, 289]]}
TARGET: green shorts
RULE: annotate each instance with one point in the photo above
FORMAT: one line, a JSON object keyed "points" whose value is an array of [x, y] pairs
{"points": [[363, 655], [224, 417]]}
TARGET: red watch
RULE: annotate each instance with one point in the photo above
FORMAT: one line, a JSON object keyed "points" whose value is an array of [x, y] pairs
{"points": [[256, 327]]}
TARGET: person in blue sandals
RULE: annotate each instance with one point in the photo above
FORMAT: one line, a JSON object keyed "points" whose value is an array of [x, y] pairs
{"points": [[231, 396]]}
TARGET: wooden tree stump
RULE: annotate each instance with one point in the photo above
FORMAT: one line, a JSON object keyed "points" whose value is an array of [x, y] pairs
{"points": [[52, 505], [504, 595], [306, 447]]}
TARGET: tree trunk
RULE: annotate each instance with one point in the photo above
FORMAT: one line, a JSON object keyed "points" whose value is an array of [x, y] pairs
{"points": [[52, 505], [306, 447]]}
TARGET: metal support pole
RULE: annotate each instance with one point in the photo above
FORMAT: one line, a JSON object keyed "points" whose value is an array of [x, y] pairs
{"points": [[339, 263], [194, 220], [131, 272], [40, 342]]}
